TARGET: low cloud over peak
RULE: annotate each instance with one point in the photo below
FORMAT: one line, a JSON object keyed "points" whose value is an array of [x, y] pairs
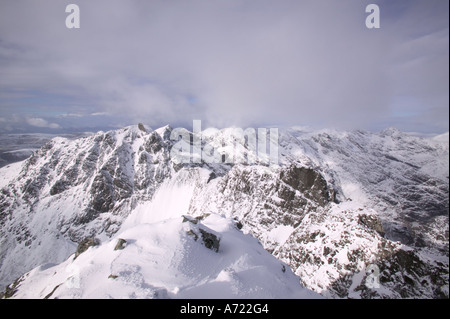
{"points": [[228, 63]]}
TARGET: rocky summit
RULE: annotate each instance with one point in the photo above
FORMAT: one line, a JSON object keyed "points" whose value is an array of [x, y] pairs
{"points": [[353, 214]]}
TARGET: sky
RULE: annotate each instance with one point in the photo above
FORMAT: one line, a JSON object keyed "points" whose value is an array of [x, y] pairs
{"points": [[245, 63]]}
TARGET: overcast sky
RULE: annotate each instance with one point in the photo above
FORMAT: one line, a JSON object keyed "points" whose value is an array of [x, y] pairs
{"points": [[248, 63]]}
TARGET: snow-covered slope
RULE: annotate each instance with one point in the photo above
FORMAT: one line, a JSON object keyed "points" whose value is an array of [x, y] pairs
{"points": [[337, 204], [168, 259], [402, 175]]}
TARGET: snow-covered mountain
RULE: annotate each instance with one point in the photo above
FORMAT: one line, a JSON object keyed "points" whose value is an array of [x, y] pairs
{"points": [[340, 209]]}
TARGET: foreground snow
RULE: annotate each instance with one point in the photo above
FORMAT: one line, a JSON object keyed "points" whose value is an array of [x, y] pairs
{"points": [[165, 260]]}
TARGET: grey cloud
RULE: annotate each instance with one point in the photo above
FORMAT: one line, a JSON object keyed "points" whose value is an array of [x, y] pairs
{"points": [[232, 62], [39, 122]]}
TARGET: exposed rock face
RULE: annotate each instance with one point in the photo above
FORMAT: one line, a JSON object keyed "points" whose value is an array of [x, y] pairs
{"points": [[209, 239], [409, 276], [142, 127], [373, 222], [338, 203], [261, 198], [11, 289], [85, 244], [308, 182], [121, 244]]}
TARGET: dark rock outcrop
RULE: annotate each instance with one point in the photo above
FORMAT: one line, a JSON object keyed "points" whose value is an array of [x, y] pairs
{"points": [[210, 240], [197, 230], [372, 222], [85, 244], [308, 182], [121, 244]]}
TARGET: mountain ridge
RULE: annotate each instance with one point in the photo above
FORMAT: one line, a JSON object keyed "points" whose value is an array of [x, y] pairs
{"points": [[70, 190]]}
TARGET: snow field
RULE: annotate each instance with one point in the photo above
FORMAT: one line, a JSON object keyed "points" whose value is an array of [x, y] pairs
{"points": [[162, 260]]}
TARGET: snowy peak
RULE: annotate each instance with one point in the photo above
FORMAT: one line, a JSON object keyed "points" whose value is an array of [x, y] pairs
{"points": [[72, 189], [168, 259]]}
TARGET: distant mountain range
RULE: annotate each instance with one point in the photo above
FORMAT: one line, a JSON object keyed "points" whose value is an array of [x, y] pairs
{"points": [[18, 147]]}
